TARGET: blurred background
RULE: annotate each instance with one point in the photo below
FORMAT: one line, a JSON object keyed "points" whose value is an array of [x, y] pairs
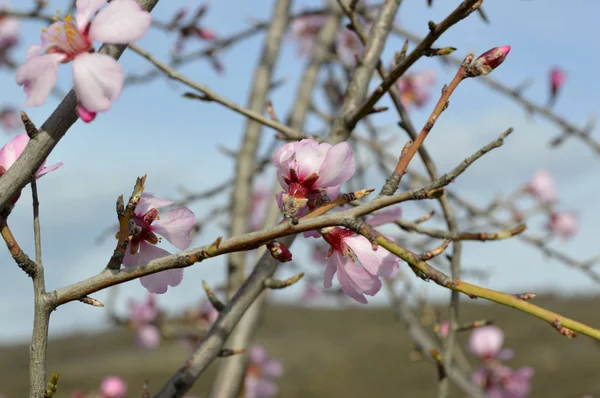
{"points": [[329, 345]]}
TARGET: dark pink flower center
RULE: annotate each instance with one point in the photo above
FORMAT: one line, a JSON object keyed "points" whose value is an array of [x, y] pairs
{"points": [[65, 38], [336, 239], [301, 187], [143, 231]]}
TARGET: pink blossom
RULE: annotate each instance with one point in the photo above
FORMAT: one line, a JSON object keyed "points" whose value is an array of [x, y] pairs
{"points": [[141, 319], [563, 224], [543, 187], [260, 373], [305, 30], [147, 337], [113, 386], [486, 343], [10, 119], [558, 77], [9, 32], [415, 88], [443, 329], [309, 171], [98, 77], [358, 266], [499, 381], [11, 152], [175, 226]]}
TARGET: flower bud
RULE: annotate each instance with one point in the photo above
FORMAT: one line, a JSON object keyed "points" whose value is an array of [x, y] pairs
{"points": [[488, 61], [279, 251]]}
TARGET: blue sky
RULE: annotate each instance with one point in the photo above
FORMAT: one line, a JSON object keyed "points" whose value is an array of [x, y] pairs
{"points": [[151, 130]]}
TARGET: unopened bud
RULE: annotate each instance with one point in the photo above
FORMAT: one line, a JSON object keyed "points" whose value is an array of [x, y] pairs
{"points": [[488, 61], [279, 251]]}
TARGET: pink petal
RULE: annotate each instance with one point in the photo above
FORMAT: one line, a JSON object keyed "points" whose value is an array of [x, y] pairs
{"points": [[258, 354], [121, 22], [355, 280], [329, 272], [85, 114], [486, 342], [86, 10], [250, 386], [12, 150], [98, 80], [147, 337], [386, 216], [155, 283], [378, 262], [273, 368], [176, 226], [337, 167], [309, 157], [42, 171], [149, 201], [265, 388], [38, 76]]}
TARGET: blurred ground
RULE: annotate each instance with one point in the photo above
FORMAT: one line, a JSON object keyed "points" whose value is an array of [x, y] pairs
{"points": [[349, 353]]}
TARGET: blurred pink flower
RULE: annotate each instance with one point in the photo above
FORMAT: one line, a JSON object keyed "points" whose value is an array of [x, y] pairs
{"points": [[98, 77], [308, 170], [443, 329], [305, 29], [175, 226], [10, 118], [358, 266], [558, 77], [113, 386], [500, 381], [563, 224], [415, 88], [543, 187], [486, 343], [141, 319], [9, 31], [11, 152], [260, 373]]}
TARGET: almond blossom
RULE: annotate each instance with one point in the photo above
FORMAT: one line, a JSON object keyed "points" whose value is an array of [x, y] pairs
{"points": [[11, 152], [357, 265], [415, 88], [98, 78], [260, 373], [142, 319], [310, 173], [113, 387], [496, 379], [563, 224], [543, 187], [175, 226]]}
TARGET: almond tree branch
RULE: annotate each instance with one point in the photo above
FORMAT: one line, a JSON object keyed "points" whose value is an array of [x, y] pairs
{"points": [[357, 89], [232, 370]]}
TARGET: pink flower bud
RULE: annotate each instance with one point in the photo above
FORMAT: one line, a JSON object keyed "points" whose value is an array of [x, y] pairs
{"points": [[543, 187], [279, 251], [488, 61], [206, 34], [84, 114]]}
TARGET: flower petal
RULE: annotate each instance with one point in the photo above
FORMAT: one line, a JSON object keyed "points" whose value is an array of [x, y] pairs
{"points": [[121, 22], [147, 337], [86, 10], [12, 150], [45, 170], [155, 283], [98, 80], [329, 272], [149, 201], [378, 262], [338, 166], [355, 280], [486, 342], [258, 354], [38, 76], [273, 368], [309, 157], [176, 226]]}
